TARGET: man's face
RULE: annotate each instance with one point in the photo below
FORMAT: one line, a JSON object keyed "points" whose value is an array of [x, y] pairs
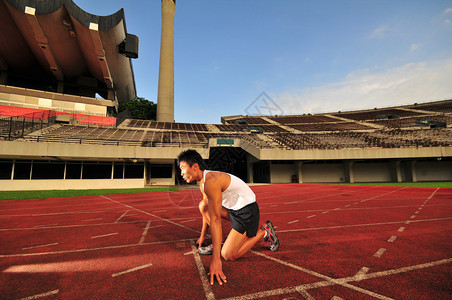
{"points": [[187, 172]]}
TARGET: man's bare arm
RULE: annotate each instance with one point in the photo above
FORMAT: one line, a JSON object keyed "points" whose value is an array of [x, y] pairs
{"points": [[212, 188]]}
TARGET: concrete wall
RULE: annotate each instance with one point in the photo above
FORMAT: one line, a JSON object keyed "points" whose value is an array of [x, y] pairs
{"points": [[372, 172], [29, 98], [433, 170], [282, 173], [322, 173], [69, 184]]}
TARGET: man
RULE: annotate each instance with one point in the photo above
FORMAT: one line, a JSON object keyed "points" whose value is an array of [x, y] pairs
{"points": [[226, 196]]}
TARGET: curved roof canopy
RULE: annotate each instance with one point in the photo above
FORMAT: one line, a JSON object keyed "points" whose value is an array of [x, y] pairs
{"points": [[54, 44]]}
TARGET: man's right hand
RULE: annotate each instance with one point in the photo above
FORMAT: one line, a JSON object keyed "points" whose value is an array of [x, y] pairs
{"points": [[216, 271]]}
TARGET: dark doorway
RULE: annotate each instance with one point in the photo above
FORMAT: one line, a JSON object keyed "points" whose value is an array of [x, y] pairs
{"points": [[230, 160]]}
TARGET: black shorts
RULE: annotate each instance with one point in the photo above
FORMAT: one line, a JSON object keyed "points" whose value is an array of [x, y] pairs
{"points": [[246, 219]]}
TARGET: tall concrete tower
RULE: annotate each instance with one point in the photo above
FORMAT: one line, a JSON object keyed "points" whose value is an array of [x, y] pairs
{"points": [[165, 97]]}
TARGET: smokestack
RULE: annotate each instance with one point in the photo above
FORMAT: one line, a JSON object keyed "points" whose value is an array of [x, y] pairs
{"points": [[165, 97]]}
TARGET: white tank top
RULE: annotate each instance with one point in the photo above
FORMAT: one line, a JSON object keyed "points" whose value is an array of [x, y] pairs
{"points": [[237, 195]]}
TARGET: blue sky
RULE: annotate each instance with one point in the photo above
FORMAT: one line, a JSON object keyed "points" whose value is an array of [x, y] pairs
{"points": [[306, 56]]}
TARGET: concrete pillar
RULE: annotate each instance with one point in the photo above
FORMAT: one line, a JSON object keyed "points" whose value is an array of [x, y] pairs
{"points": [[60, 87], [250, 172], [300, 173], [412, 171], [3, 77], [349, 176], [396, 173], [165, 97]]}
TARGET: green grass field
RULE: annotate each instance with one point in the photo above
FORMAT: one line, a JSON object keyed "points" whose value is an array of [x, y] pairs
{"points": [[22, 195], [413, 184]]}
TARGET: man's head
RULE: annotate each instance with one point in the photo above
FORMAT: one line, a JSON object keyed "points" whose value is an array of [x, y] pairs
{"points": [[191, 165]]}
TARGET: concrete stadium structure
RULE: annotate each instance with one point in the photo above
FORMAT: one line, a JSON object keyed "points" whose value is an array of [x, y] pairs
{"points": [[408, 143], [55, 133]]}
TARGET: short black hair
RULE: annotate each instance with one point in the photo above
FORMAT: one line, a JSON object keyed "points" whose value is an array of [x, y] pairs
{"points": [[191, 157]]}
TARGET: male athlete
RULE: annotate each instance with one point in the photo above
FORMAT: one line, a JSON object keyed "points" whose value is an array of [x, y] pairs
{"points": [[226, 196]]}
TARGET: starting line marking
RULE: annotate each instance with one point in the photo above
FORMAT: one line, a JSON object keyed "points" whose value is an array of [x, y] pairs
{"points": [[143, 236], [131, 270], [121, 217], [392, 238], [380, 252], [202, 273], [295, 221], [54, 292]]}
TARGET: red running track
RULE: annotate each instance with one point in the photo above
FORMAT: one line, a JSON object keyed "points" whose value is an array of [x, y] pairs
{"points": [[337, 242]]}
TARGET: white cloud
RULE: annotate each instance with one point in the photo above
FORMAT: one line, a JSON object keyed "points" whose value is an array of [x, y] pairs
{"points": [[448, 10], [414, 47], [407, 84], [380, 32]]}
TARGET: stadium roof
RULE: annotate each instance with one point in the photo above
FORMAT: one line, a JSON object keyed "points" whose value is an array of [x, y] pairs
{"points": [[56, 42]]}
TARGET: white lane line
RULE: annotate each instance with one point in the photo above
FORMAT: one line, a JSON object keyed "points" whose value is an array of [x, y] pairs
{"points": [[361, 273], [202, 273], [152, 215], [159, 211], [310, 217], [40, 246], [294, 221], [123, 215], [380, 252], [152, 227], [48, 225], [143, 236], [337, 208], [432, 195], [188, 253], [305, 294], [348, 205], [392, 239], [401, 229], [413, 217], [292, 289], [330, 281], [92, 249], [325, 212], [131, 270], [105, 235], [358, 225], [186, 221], [92, 220], [54, 292], [407, 222]]}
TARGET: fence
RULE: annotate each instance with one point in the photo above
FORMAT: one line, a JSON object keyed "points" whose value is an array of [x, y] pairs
{"points": [[17, 126]]}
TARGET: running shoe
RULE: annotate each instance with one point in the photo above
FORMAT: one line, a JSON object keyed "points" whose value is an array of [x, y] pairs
{"points": [[207, 250], [271, 235]]}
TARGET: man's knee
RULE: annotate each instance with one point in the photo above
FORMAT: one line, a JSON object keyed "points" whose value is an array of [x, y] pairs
{"points": [[227, 255], [203, 206]]}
